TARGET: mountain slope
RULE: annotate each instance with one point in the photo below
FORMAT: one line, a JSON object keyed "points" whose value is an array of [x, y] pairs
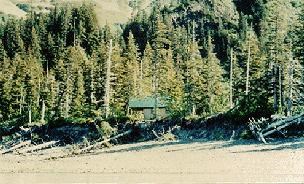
{"points": [[108, 11], [7, 7]]}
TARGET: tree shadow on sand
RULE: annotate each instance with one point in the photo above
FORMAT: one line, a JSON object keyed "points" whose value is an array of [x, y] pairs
{"points": [[297, 144], [200, 145]]}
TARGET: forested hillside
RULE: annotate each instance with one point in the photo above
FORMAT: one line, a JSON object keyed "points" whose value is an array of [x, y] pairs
{"points": [[107, 11], [243, 57]]}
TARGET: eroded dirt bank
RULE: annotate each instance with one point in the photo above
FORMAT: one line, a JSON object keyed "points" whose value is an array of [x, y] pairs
{"points": [[164, 162]]}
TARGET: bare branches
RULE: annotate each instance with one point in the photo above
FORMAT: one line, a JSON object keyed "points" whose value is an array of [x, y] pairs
{"points": [[262, 128]]}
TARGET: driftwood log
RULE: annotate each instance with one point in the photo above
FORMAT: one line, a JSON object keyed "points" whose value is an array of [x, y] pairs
{"points": [[275, 126], [18, 146], [104, 141], [38, 147], [88, 148]]}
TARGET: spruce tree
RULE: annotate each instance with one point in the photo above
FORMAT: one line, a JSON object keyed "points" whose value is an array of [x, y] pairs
{"points": [[295, 68], [8, 71], [146, 77], [119, 81], [170, 84], [215, 88], [88, 29], [32, 84], [75, 60], [50, 95], [132, 66], [3, 56], [12, 39], [254, 63], [278, 19], [193, 79], [35, 48], [63, 78]]}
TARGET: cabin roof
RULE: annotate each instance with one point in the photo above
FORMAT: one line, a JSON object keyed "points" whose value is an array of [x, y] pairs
{"points": [[147, 102]]}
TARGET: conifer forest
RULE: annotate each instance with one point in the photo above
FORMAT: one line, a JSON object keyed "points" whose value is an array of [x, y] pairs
{"points": [[151, 91], [239, 58]]}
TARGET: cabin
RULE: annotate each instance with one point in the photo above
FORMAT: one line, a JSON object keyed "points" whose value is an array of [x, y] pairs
{"points": [[146, 108]]}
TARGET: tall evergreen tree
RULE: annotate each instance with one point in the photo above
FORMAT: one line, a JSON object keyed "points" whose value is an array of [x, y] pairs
{"points": [[170, 84], [35, 48], [119, 80], [254, 63], [146, 77], [12, 40], [279, 16], [193, 79], [132, 66], [215, 88]]}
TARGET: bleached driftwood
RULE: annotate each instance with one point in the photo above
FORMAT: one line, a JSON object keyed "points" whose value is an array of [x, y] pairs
{"points": [[17, 146], [273, 127], [280, 124], [38, 147], [104, 141], [155, 134]]}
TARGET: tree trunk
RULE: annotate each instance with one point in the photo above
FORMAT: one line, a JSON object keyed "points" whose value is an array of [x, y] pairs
{"points": [[22, 100], [193, 110], [92, 97], [107, 84], [141, 78], [290, 83], [43, 112], [155, 90], [193, 32], [67, 106], [280, 90], [274, 79], [231, 79], [39, 147], [30, 115], [248, 68], [38, 96]]}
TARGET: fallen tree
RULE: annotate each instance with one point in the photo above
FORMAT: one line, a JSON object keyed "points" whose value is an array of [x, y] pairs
{"points": [[93, 146], [98, 144], [38, 147], [18, 146], [262, 128]]}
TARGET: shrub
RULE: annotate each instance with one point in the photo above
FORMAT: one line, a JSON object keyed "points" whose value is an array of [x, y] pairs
{"points": [[246, 134], [250, 107], [68, 121], [24, 7], [167, 137], [192, 117], [137, 116], [105, 129]]}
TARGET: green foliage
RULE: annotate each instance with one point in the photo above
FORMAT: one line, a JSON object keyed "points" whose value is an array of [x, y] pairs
{"points": [[246, 134], [68, 121], [132, 66], [25, 7], [105, 129], [56, 66], [214, 86], [136, 116], [192, 118], [146, 78], [251, 106]]}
